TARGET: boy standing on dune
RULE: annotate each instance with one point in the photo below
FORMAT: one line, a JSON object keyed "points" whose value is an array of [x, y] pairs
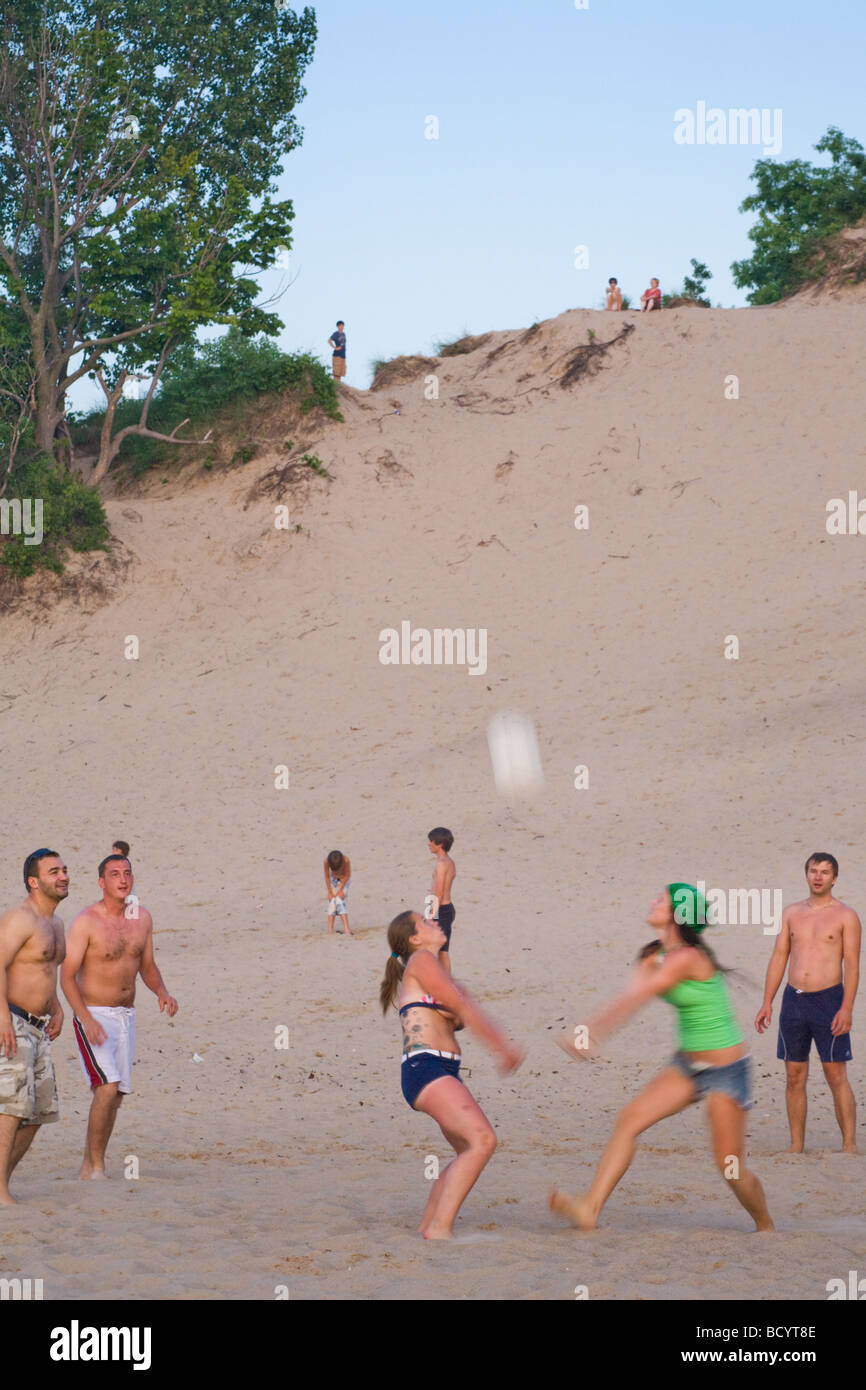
{"points": [[337, 341]]}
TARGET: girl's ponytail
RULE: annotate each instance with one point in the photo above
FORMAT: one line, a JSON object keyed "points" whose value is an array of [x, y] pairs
{"points": [[399, 932]]}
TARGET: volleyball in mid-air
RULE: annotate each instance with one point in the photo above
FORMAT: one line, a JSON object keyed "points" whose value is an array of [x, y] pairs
{"points": [[513, 745]]}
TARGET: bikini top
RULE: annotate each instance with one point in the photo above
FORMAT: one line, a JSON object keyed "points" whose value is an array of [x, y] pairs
{"points": [[428, 1002]]}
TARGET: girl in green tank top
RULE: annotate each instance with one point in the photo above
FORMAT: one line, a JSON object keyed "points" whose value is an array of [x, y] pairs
{"points": [[711, 1062], [705, 1017]]}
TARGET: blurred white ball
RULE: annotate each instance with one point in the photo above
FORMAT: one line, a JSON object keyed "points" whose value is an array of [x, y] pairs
{"points": [[513, 745]]}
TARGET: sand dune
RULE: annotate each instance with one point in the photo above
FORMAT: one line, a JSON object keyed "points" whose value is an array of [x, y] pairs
{"points": [[260, 647]]}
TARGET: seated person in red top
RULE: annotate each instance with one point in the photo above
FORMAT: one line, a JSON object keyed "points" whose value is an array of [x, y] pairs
{"points": [[651, 298]]}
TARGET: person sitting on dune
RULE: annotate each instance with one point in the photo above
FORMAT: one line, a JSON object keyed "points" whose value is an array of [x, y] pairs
{"points": [[613, 299], [651, 298]]}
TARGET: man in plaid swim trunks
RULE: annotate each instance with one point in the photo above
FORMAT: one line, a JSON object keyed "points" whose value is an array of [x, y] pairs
{"points": [[31, 949]]}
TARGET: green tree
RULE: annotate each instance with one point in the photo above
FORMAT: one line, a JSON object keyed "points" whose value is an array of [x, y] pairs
{"points": [[17, 389], [800, 205], [694, 285], [139, 144]]}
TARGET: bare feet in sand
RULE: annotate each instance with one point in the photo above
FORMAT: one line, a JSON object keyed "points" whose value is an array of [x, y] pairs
{"points": [[575, 1210], [433, 1234], [93, 1174]]}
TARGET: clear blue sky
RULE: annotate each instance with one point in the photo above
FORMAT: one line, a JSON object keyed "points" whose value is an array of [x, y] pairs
{"points": [[556, 129]]}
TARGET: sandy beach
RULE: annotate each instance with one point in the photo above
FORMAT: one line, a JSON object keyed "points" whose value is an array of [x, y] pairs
{"points": [[303, 1168]]}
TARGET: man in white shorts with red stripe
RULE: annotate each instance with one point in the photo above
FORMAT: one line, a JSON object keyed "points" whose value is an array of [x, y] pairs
{"points": [[107, 946]]}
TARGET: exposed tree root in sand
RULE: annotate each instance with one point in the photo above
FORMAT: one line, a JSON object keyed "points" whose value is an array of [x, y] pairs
{"points": [[586, 361], [294, 477]]}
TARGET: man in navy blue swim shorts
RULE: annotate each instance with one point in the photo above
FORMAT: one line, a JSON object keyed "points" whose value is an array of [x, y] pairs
{"points": [[822, 938]]}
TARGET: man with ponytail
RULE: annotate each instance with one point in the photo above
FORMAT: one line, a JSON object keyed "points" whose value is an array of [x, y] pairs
{"points": [[711, 1063], [432, 1008]]}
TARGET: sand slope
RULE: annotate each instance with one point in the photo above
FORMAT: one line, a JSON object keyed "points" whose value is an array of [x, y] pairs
{"points": [[260, 647]]}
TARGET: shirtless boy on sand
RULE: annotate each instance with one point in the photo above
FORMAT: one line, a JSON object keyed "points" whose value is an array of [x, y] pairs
{"points": [[109, 944], [338, 876], [31, 948], [822, 936], [439, 842]]}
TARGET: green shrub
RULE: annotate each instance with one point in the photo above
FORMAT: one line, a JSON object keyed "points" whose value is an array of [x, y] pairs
{"points": [[73, 517], [693, 288], [695, 285], [441, 348], [460, 346], [203, 379], [314, 462]]}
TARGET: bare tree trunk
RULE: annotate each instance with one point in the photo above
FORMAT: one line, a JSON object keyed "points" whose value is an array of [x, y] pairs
{"points": [[108, 447], [49, 409]]}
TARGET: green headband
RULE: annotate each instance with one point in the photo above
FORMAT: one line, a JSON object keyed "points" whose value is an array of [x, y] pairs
{"points": [[690, 906]]}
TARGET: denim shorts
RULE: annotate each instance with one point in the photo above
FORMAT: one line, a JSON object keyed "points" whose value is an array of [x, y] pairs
{"points": [[734, 1080]]}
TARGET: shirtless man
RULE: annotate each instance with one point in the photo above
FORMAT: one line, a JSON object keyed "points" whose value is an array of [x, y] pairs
{"points": [[439, 842], [613, 297], [109, 945], [31, 948], [822, 936]]}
